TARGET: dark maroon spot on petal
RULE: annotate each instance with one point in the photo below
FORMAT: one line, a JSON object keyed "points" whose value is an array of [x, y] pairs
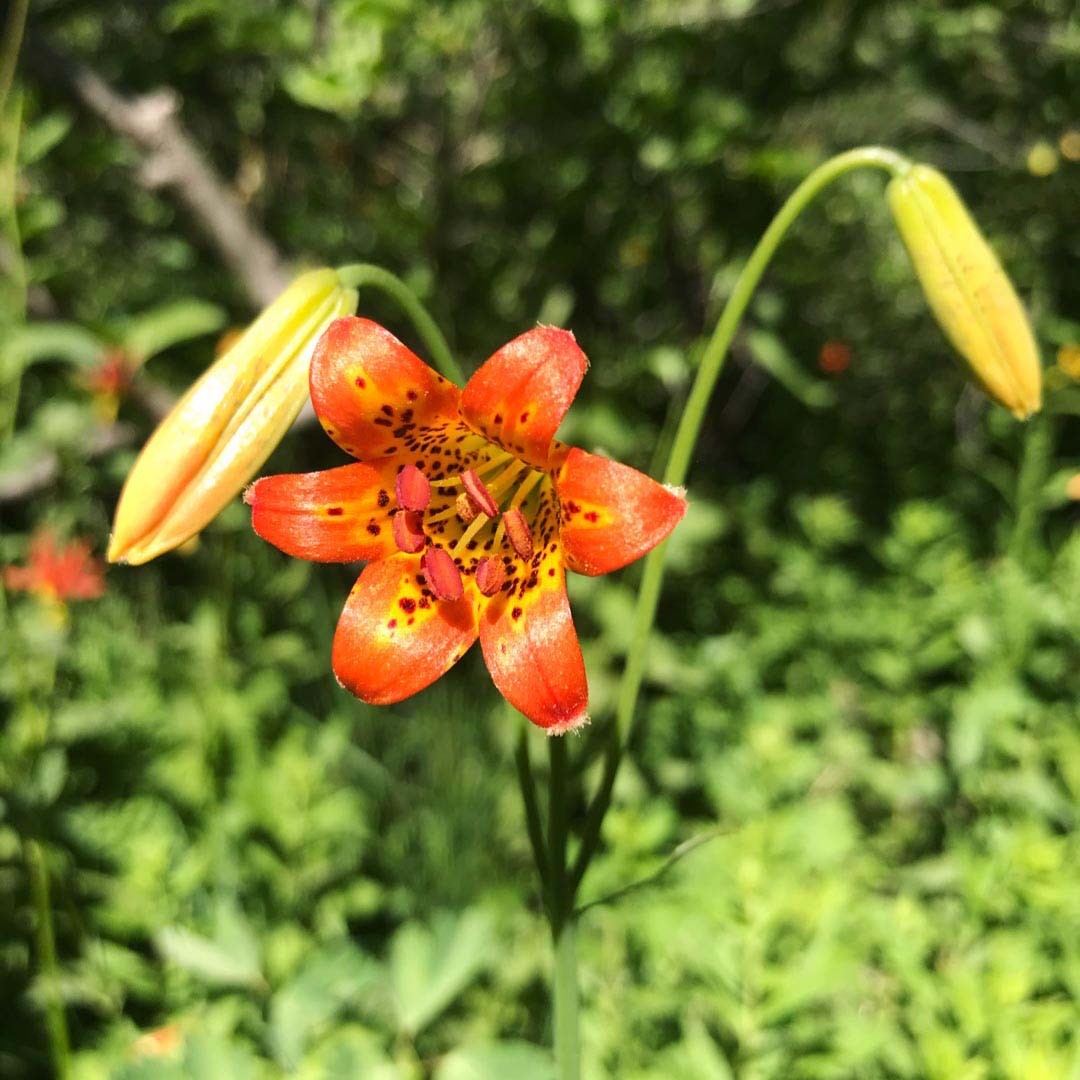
{"points": [[335, 511], [360, 382], [383, 422], [373, 529], [551, 572], [384, 498], [408, 532], [498, 418], [410, 394], [388, 410], [407, 604], [516, 613], [592, 516], [524, 417], [444, 576]]}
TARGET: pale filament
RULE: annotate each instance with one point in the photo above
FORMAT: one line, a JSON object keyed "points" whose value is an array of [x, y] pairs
{"points": [[522, 493], [495, 487], [492, 464]]}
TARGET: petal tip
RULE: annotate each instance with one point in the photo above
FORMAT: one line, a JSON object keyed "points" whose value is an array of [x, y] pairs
{"points": [[574, 724]]}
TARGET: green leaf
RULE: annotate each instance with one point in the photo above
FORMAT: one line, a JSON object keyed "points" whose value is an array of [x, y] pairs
{"points": [[68, 342], [158, 329], [231, 958], [770, 352], [328, 982], [430, 967], [497, 1061]]}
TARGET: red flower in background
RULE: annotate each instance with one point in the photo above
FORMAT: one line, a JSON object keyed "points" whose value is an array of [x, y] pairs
{"points": [[834, 357], [57, 573], [468, 513], [109, 381]]}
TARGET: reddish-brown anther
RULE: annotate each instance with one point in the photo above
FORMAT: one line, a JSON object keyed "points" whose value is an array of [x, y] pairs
{"points": [[466, 508], [517, 528], [412, 489], [490, 576], [442, 575], [479, 493], [408, 531]]}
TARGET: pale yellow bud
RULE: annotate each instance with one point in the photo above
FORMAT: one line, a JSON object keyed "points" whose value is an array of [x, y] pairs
{"points": [[969, 293], [226, 425]]}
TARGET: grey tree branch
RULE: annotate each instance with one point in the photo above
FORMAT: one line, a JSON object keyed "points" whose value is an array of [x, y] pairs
{"points": [[171, 159]]}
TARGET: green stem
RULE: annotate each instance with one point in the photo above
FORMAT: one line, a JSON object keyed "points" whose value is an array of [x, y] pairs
{"points": [[59, 1046], [359, 275], [527, 783], [12, 42], [1030, 481], [567, 1037], [682, 450]]}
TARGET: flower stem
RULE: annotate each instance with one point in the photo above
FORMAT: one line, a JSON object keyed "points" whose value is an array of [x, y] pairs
{"points": [[682, 450], [9, 47], [59, 1046], [567, 1037], [1034, 469], [359, 275]]}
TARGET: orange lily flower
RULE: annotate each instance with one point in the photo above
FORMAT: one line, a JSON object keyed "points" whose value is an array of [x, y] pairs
{"points": [[56, 573], [468, 513]]}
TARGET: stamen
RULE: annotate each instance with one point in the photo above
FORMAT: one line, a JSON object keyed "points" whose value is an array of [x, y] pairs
{"points": [[408, 531], [442, 575], [490, 576], [483, 468], [465, 508], [461, 544], [522, 493], [412, 488], [517, 530], [481, 496]]}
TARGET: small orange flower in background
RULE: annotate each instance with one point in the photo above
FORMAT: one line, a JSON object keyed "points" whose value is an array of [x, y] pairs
{"points": [[57, 572], [109, 381], [468, 513], [834, 357], [161, 1042]]}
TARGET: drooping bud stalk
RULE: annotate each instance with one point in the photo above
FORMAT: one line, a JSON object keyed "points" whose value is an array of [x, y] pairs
{"points": [[517, 529], [970, 294], [226, 425], [490, 575], [477, 490], [408, 532], [413, 489], [441, 574]]}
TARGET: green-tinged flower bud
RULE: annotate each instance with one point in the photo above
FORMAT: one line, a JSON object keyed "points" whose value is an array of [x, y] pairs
{"points": [[226, 425], [969, 293]]}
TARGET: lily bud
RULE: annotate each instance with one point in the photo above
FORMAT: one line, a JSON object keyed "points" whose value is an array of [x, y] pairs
{"points": [[971, 296], [226, 425]]}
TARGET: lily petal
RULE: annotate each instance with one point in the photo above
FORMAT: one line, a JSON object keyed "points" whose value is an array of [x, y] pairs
{"points": [[339, 515], [611, 514], [369, 390], [532, 651], [519, 396], [394, 638]]}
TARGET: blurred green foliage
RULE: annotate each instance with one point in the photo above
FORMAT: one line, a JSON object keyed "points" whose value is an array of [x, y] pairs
{"points": [[875, 707]]}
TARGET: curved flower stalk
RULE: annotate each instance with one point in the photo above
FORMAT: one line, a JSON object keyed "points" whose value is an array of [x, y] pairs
{"points": [[468, 512], [227, 424], [970, 294]]}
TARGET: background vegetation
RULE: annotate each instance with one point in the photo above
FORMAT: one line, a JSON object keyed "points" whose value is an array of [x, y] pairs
{"points": [[871, 704]]}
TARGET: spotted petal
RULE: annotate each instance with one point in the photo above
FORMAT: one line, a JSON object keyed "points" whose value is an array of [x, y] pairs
{"points": [[519, 396], [339, 515], [370, 391], [531, 649], [393, 638], [611, 514]]}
